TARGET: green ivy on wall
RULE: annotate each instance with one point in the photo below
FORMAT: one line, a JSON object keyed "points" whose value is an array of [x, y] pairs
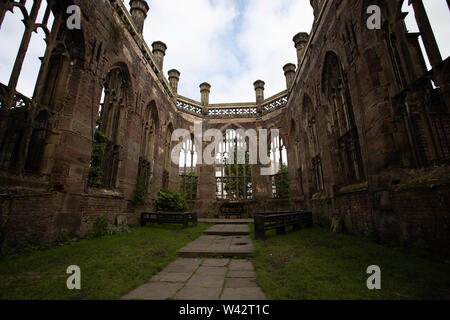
{"points": [[95, 171]]}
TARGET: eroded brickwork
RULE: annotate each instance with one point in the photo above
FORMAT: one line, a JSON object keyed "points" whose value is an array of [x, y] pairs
{"points": [[359, 118]]}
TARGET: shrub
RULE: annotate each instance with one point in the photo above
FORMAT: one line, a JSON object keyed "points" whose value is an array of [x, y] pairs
{"points": [[113, 229], [141, 195], [171, 201], [95, 171], [100, 226]]}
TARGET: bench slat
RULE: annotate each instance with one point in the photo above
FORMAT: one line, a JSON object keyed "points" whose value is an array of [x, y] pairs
{"points": [[170, 217], [268, 221]]}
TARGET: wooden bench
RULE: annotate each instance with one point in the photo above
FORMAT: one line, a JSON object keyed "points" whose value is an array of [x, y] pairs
{"points": [[183, 218], [280, 221], [228, 209]]}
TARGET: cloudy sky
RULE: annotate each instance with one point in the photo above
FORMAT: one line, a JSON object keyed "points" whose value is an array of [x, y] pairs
{"points": [[228, 43]]}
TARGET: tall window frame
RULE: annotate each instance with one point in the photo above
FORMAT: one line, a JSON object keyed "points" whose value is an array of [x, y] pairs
{"points": [[233, 169], [335, 86]]}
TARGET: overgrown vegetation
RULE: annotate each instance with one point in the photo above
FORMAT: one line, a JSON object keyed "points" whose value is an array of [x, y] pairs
{"points": [[141, 195], [316, 264], [110, 266], [188, 185], [426, 178], [237, 172], [118, 30], [171, 201], [280, 183], [101, 142], [103, 228]]}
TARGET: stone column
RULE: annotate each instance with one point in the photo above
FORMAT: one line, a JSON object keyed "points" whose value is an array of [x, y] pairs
{"points": [[205, 89], [138, 10], [289, 73], [259, 90], [159, 51], [261, 184], [300, 40], [174, 78], [426, 31]]}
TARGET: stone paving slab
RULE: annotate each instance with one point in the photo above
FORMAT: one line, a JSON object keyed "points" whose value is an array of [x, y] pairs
{"points": [[218, 246], [240, 283], [154, 291], [215, 262], [241, 265], [206, 281], [202, 279], [227, 221], [243, 294], [212, 271], [241, 274], [198, 293], [171, 277], [228, 230]]}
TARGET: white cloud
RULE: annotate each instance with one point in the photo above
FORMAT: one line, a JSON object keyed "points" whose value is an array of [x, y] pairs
{"points": [[193, 32], [228, 43]]}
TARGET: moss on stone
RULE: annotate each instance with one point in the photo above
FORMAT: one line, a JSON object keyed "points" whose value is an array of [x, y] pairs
{"points": [[353, 188], [426, 178], [319, 196]]}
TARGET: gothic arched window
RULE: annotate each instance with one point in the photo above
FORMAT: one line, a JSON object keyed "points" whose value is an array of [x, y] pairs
{"points": [[313, 143], [336, 89], [167, 157], [105, 156], [279, 166], [188, 168], [37, 142], [233, 169]]}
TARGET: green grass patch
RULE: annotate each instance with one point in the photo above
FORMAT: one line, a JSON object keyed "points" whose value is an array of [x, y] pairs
{"points": [[315, 264], [111, 266]]}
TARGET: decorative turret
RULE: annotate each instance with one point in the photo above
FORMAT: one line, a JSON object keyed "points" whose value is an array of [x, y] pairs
{"points": [[138, 10], [289, 72], [159, 51], [174, 78], [205, 89], [317, 5], [259, 90], [300, 40]]}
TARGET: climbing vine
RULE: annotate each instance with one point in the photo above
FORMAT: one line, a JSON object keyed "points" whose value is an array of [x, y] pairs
{"points": [[101, 142], [280, 184]]}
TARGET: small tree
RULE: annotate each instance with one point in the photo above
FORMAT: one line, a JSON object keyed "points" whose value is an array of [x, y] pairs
{"points": [[171, 201], [281, 182], [236, 171]]}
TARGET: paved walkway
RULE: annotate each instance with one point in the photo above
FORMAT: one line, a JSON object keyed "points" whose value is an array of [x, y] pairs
{"points": [[227, 221], [199, 278]]}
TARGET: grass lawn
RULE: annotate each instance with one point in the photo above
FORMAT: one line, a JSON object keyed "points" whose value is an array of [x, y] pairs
{"points": [[316, 264], [111, 266]]}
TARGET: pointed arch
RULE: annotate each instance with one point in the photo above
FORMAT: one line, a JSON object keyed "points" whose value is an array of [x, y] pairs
{"points": [[188, 167], [312, 134], [233, 167], [117, 89], [37, 142], [105, 161], [336, 90], [167, 156]]}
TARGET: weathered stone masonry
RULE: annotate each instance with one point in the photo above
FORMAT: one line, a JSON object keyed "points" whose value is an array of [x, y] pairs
{"points": [[366, 132]]}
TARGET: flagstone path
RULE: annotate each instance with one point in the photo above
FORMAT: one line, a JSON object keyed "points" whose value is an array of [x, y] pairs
{"points": [[207, 270]]}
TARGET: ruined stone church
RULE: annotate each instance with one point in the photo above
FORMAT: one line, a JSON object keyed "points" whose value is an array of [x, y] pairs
{"points": [[364, 127]]}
